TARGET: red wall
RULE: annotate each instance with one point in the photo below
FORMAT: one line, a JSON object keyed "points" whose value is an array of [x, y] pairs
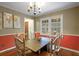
{"points": [[71, 42], [6, 42]]}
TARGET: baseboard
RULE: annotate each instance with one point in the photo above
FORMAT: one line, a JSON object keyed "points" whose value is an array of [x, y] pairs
{"points": [[76, 51], [7, 49]]}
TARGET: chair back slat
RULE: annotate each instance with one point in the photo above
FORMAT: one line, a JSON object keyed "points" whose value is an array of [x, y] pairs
{"points": [[18, 43]]}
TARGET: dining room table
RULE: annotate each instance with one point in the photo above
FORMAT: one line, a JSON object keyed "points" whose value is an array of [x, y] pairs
{"points": [[36, 45]]}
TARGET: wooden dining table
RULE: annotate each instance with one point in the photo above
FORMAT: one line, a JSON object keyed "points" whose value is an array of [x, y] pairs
{"points": [[35, 44]]}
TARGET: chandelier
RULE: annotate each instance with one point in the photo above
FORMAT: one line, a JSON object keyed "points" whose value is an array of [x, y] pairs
{"points": [[34, 8]]}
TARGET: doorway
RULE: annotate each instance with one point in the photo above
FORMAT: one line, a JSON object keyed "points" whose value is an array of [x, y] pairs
{"points": [[29, 28], [26, 30]]}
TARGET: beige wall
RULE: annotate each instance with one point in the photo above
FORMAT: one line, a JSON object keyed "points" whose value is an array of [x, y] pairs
{"points": [[36, 25], [70, 20], [10, 31]]}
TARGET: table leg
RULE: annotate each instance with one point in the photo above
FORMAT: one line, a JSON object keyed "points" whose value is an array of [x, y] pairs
{"points": [[51, 46], [39, 52], [47, 47]]}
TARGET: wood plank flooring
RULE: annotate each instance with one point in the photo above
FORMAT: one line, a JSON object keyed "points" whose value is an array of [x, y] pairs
{"points": [[62, 52]]}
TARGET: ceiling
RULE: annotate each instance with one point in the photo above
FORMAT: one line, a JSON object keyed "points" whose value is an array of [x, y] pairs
{"points": [[48, 7]]}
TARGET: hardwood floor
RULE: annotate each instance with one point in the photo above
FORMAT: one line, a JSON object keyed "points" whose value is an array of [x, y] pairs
{"points": [[62, 52], [9, 53]]}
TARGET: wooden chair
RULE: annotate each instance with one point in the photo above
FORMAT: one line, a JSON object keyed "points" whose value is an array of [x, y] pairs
{"points": [[56, 46], [20, 47]]}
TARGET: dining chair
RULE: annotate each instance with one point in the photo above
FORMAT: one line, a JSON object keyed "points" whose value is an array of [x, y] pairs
{"points": [[56, 46], [37, 35], [20, 46]]}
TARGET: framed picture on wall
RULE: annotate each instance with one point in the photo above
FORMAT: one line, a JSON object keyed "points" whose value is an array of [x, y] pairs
{"points": [[0, 20], [17, 22], [8, 21]]}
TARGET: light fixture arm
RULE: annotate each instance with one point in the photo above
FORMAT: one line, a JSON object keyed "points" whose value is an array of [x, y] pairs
{"points": [[34, 8]]}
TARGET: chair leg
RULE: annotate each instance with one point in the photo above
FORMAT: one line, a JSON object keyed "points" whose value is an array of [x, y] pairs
{"points": [[58, 54]]}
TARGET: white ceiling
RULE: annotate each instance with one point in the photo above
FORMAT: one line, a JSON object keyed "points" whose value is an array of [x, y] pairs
{"points": [[48, 7]]}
